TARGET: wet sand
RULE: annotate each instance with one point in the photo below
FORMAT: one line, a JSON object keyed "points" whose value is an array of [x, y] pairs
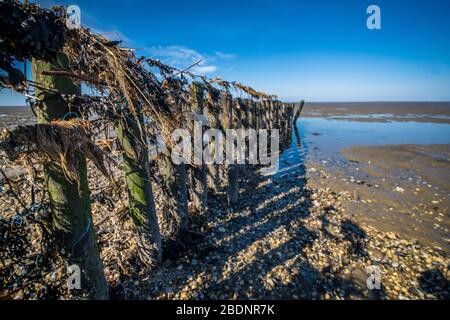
{"points": [[395, 188], [403, 188]]}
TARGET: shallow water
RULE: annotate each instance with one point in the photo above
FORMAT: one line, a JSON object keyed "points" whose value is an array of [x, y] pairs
{"points": [[390, 117], [323, 138]]}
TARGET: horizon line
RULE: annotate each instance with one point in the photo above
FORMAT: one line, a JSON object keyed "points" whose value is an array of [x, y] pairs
{"points": [[315, 101]]}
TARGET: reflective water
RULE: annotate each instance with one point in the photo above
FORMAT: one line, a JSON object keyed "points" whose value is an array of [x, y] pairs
{"points": [[332, 135], [391, 117], [323, 138]]}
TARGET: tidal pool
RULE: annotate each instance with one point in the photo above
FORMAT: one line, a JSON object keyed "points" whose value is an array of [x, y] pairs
{"points": [[323, 138]]}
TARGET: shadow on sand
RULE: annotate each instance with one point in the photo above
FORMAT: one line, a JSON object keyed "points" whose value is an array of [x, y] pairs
{"points": [[242, 257]]}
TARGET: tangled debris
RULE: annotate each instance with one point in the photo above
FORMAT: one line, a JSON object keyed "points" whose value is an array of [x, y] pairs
{"points": [[27, 31], [58, 142]]}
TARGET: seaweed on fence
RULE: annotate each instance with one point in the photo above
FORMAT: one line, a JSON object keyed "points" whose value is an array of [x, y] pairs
{"points": [[58, 141], [154, 94]]}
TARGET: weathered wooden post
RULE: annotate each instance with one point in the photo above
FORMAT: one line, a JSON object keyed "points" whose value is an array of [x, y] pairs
{"points": [[250, 115], [284, 125], [230, 168], [256, 106], [212, 112], [174, 178], [295, 120], [276, 115], [246, 126], [270, 110], [199, 181], [240, 116], [284, 117], [302, 104], [69, 201], [264, 114], [260, 115], [135, 152], [290, 111], [288, 115], [267, 115]]}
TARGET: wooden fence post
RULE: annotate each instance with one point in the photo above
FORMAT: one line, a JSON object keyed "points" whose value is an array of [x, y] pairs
{"points": [[276, 115], [212, 112], [302, 104], [264, 114], [258, 114], [231, 169], [174, 178], [295, 120], [69, 202], [271, 114], [133, 141], [199, 181]]}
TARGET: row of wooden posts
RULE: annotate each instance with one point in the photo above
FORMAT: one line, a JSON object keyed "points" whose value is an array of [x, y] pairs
{"points": [[70, 202]]}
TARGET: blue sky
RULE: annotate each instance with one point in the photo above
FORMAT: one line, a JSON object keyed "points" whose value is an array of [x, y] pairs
{"points": [[314, 50]]}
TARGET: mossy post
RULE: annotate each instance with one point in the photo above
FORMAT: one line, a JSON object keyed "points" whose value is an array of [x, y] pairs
{"points": [[136, 166], [199, 177], [69, 201]]}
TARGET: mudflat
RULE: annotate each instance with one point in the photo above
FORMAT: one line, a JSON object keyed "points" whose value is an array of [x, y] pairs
{"points": [[395, 187], [436, 112]]}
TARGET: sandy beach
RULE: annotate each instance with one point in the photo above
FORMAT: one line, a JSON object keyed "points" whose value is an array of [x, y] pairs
{"points": [[315, 229], [397, 187]]}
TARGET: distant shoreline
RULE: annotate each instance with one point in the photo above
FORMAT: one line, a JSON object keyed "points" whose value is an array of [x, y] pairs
{"points": [[329, 103]]}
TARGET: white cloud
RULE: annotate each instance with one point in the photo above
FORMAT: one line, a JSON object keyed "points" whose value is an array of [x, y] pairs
{"points": [[204, 69], [182, 57], [176, 54], [225, 56]]}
